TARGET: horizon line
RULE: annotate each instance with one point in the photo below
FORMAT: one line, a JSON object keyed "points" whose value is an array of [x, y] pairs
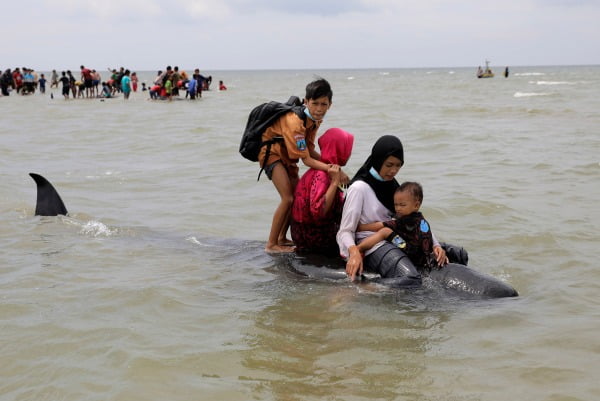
{"points": [[327, 68]]}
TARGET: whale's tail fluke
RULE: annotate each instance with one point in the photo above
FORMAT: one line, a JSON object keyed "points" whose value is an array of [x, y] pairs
{"points": [[48, 201]]}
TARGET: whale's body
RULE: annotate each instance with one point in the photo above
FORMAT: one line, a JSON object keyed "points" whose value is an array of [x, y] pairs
{"points": [[459, 279], [455, 277]]}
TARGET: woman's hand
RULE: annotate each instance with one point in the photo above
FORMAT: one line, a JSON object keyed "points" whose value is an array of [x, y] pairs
{"points": [[354, 265], [334, 174], [344, 179], [440, 256]]}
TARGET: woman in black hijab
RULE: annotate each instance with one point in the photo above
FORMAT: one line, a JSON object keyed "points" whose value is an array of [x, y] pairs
{"points": [[370, 198]]}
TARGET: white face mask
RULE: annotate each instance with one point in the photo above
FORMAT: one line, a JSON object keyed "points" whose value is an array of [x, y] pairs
{"points": [[375, 174], [308, 113]]}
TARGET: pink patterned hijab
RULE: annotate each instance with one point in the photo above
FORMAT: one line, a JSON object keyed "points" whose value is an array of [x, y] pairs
{"points": [[309, 198], [336, 146]]}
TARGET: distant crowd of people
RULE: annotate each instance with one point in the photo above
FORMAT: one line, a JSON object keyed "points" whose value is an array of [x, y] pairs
{"points": [[24, 81], [167, 84], [171, 81]]}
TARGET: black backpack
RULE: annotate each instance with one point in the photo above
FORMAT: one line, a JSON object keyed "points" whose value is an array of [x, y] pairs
{"points": [[261, 118]]}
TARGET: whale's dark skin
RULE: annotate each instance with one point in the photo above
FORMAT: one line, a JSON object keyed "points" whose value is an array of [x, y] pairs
{"points": [[464, 279], [48, 201], [453, 276]]}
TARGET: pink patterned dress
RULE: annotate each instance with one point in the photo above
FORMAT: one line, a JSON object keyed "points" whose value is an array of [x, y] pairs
{"points": [[313, 229]]}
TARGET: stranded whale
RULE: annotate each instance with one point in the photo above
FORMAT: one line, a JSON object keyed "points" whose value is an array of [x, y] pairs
{"points": [[454, 277]]}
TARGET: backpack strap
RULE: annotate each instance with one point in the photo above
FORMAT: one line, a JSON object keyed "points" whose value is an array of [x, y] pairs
{"points": [[277, 139], [298, 109]]}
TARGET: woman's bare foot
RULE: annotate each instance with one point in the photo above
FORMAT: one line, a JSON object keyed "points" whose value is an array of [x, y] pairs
{"points": [[280, 249], [285, 242]]}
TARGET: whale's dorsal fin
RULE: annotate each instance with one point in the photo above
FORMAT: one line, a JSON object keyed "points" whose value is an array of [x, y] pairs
{"points": [[48, 201]]}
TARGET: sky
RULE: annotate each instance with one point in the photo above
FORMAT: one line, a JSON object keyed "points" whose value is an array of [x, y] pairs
{"points": [[307, 34]]}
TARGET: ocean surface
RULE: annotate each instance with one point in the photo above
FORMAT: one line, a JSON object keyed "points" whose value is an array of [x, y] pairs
{"points": [[156, 285]]}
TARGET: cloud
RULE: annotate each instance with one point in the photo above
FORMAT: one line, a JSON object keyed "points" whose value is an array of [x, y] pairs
{"points": [[568, 3], [138, 10], [232, 34], [306, 7], [104, 9]]}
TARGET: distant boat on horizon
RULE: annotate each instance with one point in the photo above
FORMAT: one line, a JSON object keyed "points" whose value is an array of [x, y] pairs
{"points": [[487, 73]]}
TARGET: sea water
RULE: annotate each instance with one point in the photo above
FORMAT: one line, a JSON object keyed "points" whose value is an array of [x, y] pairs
{"points": [[156, 285]]}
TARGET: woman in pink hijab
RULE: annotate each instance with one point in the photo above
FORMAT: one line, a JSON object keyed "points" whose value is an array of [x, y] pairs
{"points": [[318, 200]]}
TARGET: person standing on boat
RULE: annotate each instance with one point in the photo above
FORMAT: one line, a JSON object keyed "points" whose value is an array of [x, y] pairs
{"points": [[369, 199]]}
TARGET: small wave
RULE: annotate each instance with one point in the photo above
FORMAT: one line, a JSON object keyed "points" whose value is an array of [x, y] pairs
{"points": [[590, 169], [528, 74], [552, 83], [530, 94], [211, 242], [350, 78], [194, 240], [96, 229], [105, 174]]}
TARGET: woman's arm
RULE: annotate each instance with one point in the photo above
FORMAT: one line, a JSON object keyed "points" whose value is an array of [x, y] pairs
{"points": [[370, 226], [354, 264], [351, 213], [334, 176]]}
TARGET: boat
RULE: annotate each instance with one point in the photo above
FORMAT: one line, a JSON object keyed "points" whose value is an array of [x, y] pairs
{"points": [[487, 73]]}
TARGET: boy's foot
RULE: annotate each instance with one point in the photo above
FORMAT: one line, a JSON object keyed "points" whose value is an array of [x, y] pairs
{"points": [[280, 249]]}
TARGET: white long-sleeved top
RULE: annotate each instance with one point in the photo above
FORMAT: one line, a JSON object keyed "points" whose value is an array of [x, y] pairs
{"points": [[361, 206]]}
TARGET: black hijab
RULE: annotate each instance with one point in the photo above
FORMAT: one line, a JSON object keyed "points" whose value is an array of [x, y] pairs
{"points": [[387, 145]]}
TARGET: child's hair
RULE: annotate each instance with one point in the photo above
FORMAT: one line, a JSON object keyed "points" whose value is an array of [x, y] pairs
{"points": [[414, 188], [319, 88]]}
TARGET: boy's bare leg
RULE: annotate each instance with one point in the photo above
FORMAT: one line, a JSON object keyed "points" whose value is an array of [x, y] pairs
{"points": [[281, 216], [281, 238], [282, 235]]}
